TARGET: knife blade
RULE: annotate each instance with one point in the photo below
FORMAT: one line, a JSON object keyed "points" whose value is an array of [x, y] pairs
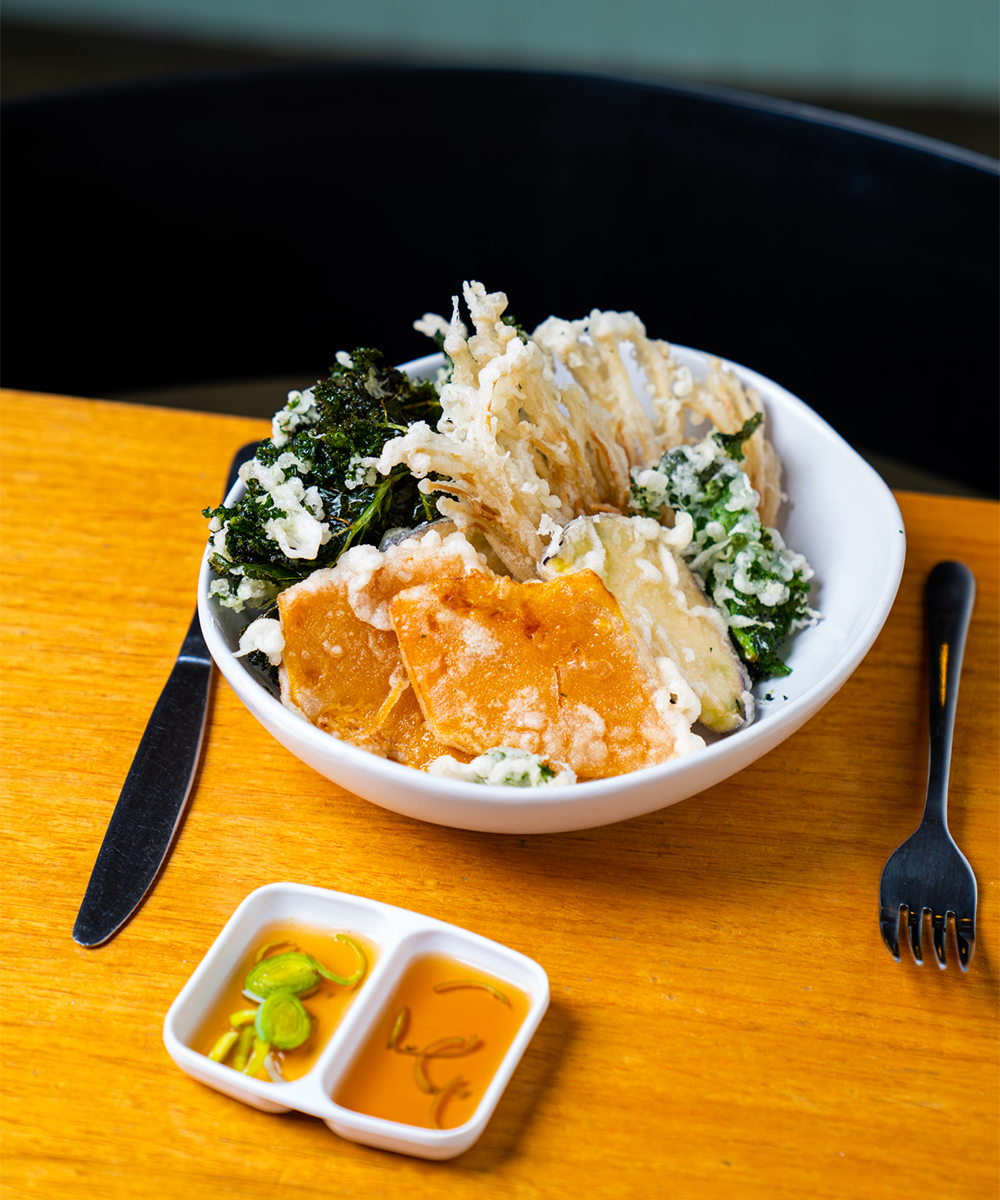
{"points": [[157, 788]]}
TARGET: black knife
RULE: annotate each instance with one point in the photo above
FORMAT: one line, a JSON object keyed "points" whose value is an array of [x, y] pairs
{"points": [[157, 787]]}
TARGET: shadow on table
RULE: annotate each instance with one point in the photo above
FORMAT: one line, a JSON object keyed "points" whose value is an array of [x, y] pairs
{"points": [[536, 1075]]}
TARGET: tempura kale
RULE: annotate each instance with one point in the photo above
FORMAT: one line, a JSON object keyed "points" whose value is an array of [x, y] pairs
{"points": [[313, 489], [746, 569]]}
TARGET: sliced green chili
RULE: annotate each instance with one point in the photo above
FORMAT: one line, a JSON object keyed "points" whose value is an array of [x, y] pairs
{"points": [[473, 983], [283, 1021], [448, 1047], [434, 1117], [439, 1049], [422, 1081], [292, 971], [222, 1047], [260, 1052], [352, 979], [399, 1028], [242, 1053], [262, 952], [295, 971]]}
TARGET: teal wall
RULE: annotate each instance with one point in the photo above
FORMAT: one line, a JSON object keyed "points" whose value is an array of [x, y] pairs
{"points": [[932, 50]]}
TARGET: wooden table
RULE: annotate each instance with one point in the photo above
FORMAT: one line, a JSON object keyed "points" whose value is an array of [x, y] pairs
{"points": [[725, 1020]]}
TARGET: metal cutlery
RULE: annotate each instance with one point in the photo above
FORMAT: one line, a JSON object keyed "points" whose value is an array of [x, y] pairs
{"points": [[928, 873], [156, 789]]}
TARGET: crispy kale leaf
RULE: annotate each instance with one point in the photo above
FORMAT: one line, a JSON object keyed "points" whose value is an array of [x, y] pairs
{"points": [[760, 585], [313, 489]]}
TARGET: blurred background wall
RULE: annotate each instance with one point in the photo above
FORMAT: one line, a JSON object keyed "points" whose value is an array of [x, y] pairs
{"points": [[910, 48], [925, 65]]}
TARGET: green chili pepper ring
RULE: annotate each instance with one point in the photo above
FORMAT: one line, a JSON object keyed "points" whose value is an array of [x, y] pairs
{"points": [[292, 971], [300, 973], [283, 1021]]}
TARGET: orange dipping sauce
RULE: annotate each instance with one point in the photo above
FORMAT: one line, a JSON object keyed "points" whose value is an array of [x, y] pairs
{"points": [[326, 1006], [467, 1030]]}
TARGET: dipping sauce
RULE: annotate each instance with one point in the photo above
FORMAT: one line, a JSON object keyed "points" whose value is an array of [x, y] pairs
{"points": [[436, 1046], [325, 1006]]}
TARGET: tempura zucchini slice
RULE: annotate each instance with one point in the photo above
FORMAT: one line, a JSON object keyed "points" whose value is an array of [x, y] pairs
{"points": [[637, 560]]}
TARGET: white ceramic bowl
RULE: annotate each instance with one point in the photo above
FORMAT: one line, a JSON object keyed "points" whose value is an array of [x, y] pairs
{"points": [[839, 514], [401, 937]]}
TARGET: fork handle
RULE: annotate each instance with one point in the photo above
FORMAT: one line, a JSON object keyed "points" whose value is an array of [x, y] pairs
{"points": [[949, 596]]}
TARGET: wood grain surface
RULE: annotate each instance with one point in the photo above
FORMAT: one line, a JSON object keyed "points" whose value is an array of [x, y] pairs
{"points": [[724, 1021]]}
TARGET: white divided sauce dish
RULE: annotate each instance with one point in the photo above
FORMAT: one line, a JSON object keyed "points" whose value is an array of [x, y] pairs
{"points": [[839, 514], [401, 938]]}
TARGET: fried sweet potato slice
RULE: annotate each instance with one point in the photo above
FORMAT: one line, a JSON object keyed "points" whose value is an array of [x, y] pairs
{"points": [[341, 666], [341, 673], [551, 668], [407, 738]]}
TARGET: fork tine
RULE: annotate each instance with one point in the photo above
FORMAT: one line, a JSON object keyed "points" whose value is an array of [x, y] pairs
{"points": [[938, 929], [965, 939], [888, 920], [915, 925]]}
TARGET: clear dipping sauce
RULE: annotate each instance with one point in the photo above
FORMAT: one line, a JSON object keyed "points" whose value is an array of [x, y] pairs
{"points": [[326, 1006], [436, 1047]]}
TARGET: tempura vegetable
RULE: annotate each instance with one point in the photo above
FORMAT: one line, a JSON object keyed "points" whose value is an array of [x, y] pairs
{"points": [[642, 564], [389, 529], [745, 568]]}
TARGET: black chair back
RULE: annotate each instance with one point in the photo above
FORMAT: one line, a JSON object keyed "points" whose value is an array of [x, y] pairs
{"points": [[252, 224]]}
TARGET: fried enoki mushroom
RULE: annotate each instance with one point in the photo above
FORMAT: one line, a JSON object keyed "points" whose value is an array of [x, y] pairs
{"points": [[518, 454]]}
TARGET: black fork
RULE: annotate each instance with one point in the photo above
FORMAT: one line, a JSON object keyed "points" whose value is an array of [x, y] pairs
{"points": [[928, 873]]}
